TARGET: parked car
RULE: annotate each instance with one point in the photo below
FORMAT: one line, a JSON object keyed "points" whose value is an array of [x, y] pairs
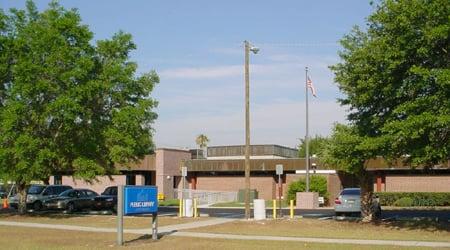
{"points": [[349, 202], [4, 190], [71, 200], [107, 200], [36, 194]]}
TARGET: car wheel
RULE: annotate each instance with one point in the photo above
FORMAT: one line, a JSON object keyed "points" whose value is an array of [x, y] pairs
{"points": [[37, 206], [70, 208]]}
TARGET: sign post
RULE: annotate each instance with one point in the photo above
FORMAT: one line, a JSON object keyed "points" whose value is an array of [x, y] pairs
{"points": [[183, 176], [154, 226], [133, 200], [279, 172], [120, 215]]}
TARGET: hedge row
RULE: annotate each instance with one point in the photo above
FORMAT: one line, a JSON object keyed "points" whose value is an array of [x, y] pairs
{"points": [[414, 199]]}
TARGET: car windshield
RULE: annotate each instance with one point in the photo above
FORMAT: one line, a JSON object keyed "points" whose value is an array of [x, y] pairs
{"points": [[35, 189], [110, 191], [68, 192], [351, 192]]}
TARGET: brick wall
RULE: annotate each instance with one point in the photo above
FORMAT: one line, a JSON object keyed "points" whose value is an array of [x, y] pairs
{"points": [[334, 187], [167, 167], [418, 183], [99, 184]]}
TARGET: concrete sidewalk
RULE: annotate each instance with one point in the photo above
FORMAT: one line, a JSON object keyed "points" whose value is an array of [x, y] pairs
{"points": [[172, 230], [161, 230], [184, 226], [316, 240]]}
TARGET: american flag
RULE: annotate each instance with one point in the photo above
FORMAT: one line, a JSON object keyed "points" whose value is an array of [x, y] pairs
{"points": [[311, 86]]}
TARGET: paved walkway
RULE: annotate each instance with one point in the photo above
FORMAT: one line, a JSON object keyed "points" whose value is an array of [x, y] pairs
{"points": [[316, 240], [161, 229], [184, 226], [173, 231]]}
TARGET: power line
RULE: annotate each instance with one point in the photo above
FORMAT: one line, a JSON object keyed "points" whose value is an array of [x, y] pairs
{"points": [[311, 44], [295, 44]]}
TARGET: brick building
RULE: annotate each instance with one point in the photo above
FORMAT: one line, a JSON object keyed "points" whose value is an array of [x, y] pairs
{"points": [[161, 169], [223, 170]]}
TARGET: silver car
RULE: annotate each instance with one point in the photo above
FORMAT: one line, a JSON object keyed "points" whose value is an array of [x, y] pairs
{"points": [[72, 200], [36, 194], [349, 202]]}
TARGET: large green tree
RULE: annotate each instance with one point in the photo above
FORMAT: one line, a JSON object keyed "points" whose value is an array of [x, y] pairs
{"points": [[395, 76], [67, 104], [316, 145], [348, 151]]}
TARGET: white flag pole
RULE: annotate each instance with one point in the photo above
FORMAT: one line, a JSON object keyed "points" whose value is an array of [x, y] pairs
{"points": [[307, 132]]}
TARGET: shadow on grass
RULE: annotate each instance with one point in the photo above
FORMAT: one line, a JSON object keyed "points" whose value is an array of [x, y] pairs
{"points": [[5, 213], [425, 224], [147, 237]]}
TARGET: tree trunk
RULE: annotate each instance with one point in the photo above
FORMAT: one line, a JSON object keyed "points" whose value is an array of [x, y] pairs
{"points": [[367, 206], [22, 191], [46, 181]]}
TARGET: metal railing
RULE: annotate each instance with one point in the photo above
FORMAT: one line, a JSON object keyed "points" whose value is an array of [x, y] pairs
{"points": [[205, 197]]}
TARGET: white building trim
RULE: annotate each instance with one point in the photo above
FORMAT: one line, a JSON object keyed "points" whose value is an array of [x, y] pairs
{"points": [[317, 171]]}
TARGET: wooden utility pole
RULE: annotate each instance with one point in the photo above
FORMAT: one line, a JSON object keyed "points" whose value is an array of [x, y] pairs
{"points": [[247, 131]]}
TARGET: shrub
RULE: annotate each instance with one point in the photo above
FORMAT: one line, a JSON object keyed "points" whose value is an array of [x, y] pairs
{"points": [[404, 202], [294, 187], [317, 183], [418, 198]]}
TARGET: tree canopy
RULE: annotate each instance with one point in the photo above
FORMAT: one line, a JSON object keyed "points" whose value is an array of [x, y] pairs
{"points": [[202, 140], [395, 76], [316, 145], [69, 104]]}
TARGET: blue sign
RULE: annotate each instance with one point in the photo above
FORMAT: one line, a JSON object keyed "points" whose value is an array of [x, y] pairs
{"points": [[140, 199]]}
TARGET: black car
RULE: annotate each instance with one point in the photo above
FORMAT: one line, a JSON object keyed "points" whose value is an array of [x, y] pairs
{"points": [[108, 200], [72, 200]]}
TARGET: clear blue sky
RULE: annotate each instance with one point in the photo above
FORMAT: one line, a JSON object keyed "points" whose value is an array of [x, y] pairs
{"points": [[196, 48]]}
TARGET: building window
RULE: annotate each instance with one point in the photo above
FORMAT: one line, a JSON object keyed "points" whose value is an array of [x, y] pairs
{"points": [[57, 180], [131, 179]]}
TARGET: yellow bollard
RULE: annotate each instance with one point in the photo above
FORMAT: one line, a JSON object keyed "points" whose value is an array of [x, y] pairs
{"points": [[195, 208], [183, 211], [292, 208], [274, 209], [180, 206]]}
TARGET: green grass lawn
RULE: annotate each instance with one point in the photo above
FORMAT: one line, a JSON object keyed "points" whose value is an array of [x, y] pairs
{"points": [[400, 230], [169, 202], [33, 238]]}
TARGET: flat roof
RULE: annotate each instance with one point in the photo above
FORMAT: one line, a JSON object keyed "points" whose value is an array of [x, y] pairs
{"points": [[292, 164], [255, 150]]}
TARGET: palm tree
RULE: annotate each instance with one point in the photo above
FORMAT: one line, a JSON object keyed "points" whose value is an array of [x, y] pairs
{"points": [[202, 141]]}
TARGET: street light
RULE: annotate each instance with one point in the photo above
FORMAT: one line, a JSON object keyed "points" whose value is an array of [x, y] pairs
{"points": [[248, 47]]}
